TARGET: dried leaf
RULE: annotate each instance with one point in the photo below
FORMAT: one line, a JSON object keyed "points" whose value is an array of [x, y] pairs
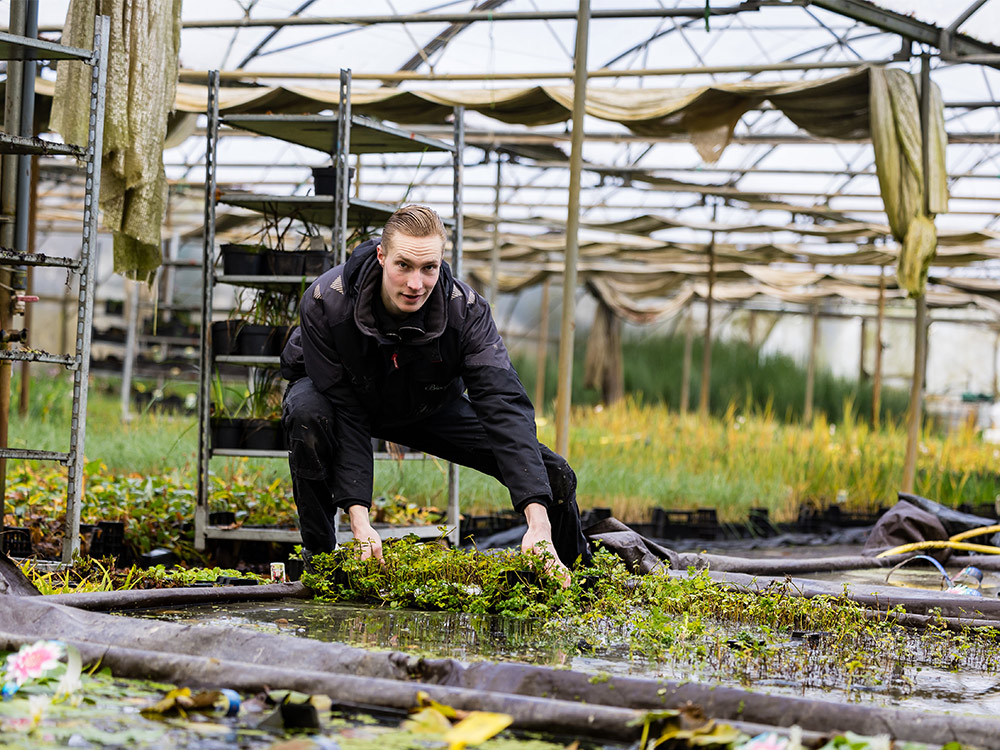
{"points": [[425, 701], [169, 703], [427, 721], [477, 727]]}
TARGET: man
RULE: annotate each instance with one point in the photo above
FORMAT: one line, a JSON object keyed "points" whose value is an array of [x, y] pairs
{"points": [[392, 346]]}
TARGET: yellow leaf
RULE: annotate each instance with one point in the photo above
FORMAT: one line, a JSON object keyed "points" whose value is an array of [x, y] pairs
{"points": [[477, 727], [427, 721], [321, 703], [203, 700], [425, 701], [174, 700]]}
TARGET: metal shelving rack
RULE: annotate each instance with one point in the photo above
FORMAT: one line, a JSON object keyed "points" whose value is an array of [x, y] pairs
{"points": [[338, 136], [14, 47]]}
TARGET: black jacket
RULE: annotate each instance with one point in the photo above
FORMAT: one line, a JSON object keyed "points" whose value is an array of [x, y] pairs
{"points": [[378, 380]]}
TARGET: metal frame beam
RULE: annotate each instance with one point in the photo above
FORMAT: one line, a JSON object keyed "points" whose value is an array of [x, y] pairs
{"points": [[197, 76], [696, 11], [905, 26]]}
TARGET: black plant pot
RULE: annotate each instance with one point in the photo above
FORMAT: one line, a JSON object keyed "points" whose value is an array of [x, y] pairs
{"points": [[315, 262], [225, 337], [325, 179], [226, 433], [256, 340], [279, 337], [243, 260], [263, 435], [285, 262]]}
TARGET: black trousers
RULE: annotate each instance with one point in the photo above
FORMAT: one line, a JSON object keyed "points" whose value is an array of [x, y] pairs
{"points": [[453, 434]]}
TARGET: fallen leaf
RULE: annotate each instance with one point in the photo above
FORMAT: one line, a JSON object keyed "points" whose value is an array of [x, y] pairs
{"points": [[425, 701], [170, 702], [427, 721], [477, 727]]}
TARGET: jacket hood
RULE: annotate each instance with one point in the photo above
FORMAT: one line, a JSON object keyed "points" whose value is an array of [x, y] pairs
{"points": [[363, 275]]}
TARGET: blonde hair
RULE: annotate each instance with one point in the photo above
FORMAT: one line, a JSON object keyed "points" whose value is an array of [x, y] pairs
{"points": [[413, 221]]}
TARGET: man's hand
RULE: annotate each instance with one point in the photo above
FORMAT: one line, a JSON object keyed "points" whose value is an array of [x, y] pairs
{"points": [[368, 538], [537, 540]]}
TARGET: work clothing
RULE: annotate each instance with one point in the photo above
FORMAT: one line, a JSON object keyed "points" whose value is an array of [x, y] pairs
{"points": [[439, 381]]}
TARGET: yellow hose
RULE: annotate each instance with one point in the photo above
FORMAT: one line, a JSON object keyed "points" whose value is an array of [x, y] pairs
{"points": [[975, 532], [966, 546]]}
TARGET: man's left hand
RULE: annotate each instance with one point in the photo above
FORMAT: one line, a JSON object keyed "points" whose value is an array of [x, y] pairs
{"points": [[367, 537]]}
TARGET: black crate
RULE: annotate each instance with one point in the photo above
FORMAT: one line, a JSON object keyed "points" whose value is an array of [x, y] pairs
{"points": [[107, 539], [16, 541]]}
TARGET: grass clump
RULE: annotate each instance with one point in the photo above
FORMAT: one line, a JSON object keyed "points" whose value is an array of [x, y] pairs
{"points": [[89, 574]]}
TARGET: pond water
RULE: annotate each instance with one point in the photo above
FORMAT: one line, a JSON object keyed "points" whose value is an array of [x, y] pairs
{"points": [[912, 680]]}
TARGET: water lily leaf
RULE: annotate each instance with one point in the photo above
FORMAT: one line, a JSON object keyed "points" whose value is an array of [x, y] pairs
{"points": [[427, 721], [299, 743], [207, 727], [852, 741], [477, 727], [121, 738]]}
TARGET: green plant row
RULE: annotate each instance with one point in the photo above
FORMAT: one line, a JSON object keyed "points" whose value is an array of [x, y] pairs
{"points": [[741, 375]]}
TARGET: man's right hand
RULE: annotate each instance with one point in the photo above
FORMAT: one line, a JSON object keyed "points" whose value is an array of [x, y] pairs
{"points": [[538, 540], [368, 539]]}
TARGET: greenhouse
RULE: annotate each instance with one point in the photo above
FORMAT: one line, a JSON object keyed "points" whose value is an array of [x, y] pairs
{"points": [[500, 373]]}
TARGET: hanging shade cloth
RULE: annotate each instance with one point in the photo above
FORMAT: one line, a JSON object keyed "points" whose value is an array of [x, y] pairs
{"points": [[142, 75], [840, 106], [834, 106], [899, 162]]}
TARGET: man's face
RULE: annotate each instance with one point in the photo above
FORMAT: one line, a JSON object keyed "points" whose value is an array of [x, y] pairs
{"points": [[410, 269]]}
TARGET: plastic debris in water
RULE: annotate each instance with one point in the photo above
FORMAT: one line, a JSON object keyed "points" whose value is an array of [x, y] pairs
{"points": [[961, 588], [970, 575]]}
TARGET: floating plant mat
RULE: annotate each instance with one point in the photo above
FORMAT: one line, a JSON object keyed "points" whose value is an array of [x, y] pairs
{"points": [[919, 674]]}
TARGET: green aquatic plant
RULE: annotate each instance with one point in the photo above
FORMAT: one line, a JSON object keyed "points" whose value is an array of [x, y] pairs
{"points": [[686, 621]]}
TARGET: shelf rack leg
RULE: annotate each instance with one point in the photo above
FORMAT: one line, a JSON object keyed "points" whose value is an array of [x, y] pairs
{"points": [[454, 499], [85, 308], [207, 286]]}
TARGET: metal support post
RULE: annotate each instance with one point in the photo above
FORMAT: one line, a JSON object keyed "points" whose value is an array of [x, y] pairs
{"points": [[207, 287], [564, 394], [454, 494], [88, 277], [8, 207], [915, 413], [542, 355], [879, 349], [706, 352], [494, 289], [341, 198], [131, 345], [807, 407], [685, 403]]}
